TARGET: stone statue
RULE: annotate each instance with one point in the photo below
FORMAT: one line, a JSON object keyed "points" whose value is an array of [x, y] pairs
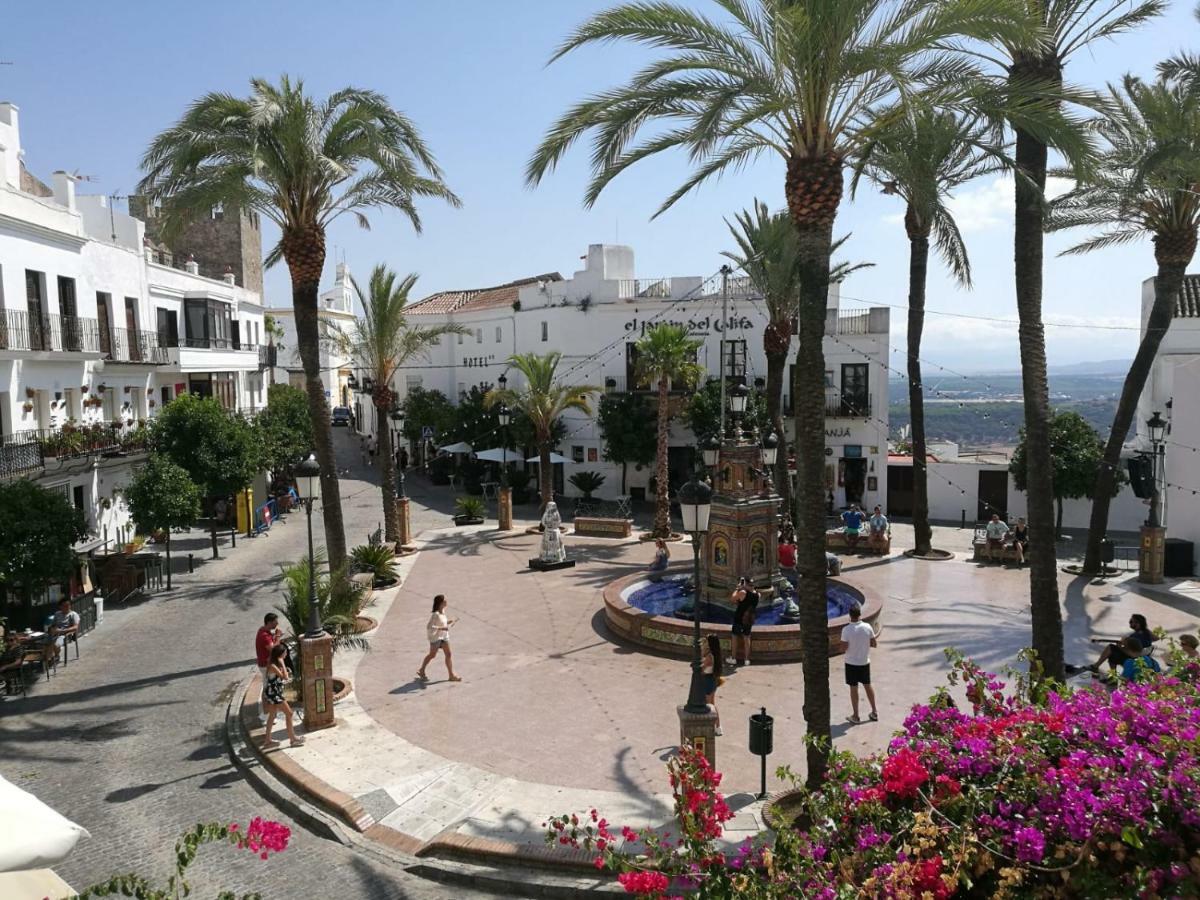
{"points": [[552, 550]]}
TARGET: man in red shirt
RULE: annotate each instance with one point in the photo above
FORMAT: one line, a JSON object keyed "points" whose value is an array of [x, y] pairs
{"points": [[267, 637], [787, 560]]}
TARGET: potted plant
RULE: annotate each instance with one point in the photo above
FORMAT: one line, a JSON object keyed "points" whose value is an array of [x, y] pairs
{"points": [[470, 511], [379, 560], [27, 406], [587, 482], [30, 393]]}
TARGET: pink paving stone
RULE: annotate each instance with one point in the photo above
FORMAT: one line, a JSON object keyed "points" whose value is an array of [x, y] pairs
{"points": [[550, 696]]}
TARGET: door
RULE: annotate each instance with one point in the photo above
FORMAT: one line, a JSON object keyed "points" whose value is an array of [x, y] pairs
{"points": [[131, 326], [102, 304], [631, 360], [900, 491], [36, 311], [855, 477], [855, 397], [993, 495], [72, 336]]}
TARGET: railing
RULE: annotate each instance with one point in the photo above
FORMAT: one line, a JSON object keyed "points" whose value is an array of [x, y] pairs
{"points": [[248, 347], [631, 288], [207, 343], [267, 354], [622, 385], [847, 407], [136, 346], [20, 453], [851, 323], [67, 334]]}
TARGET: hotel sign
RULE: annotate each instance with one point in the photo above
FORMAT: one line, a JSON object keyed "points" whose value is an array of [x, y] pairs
{"points": [[702, 325]]}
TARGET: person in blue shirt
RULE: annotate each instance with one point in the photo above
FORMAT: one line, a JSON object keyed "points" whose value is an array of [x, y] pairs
{"points": [[852, 520], [1136, 666], [1116, 653]]}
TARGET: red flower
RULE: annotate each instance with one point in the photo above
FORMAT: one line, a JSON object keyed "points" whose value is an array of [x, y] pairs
{"points": [[648, 883], [903, 773]]}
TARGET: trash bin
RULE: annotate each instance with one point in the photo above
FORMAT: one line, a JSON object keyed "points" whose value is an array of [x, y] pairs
{"points": [[762, 733], [1108, 551]]}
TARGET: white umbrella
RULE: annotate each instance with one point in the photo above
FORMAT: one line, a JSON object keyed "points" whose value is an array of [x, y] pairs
{"points": [[460, 447], [32, 835], [555, 458], [497, 454]]}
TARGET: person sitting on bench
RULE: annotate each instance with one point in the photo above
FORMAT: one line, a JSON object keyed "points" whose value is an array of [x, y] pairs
{"points": [[1137, 667], [997, 531], [877, 536], [1020, 540], [852, 520], [662, 559], [1115, 653]]}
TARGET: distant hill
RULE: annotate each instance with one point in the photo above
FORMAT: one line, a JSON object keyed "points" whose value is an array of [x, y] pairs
{"points": [[1099, 367]]}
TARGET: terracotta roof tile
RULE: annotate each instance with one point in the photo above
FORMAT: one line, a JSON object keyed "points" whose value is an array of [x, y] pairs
{"points": [[502, 295]]}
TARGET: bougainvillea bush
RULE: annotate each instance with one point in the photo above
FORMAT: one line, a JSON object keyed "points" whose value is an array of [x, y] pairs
{"points": [[1084, 794]]}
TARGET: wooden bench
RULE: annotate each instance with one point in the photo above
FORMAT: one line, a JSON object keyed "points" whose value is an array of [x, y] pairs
{"points": [[597, 526], [1008, 552], [835, 540]]}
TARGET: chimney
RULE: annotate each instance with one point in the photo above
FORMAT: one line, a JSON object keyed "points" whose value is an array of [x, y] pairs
{"points": [[228, 276], [10, 146], [192, 267], [64, 190]]}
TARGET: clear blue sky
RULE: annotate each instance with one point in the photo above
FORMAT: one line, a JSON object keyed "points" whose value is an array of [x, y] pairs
{"points": [[95, 86]]}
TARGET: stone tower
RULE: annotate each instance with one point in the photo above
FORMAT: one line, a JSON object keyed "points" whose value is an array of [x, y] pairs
{"points": [[225, 240]]}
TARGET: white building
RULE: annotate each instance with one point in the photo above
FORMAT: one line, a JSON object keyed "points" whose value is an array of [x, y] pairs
{"points": [[99, 330], [335, 315], [595, 317]]}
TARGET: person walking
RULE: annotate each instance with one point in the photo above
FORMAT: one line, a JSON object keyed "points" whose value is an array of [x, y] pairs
{"points": [[710, 667], [746, 598], [438, 632], [265, 639], [858, 638], [277, 675], [372, 445]]}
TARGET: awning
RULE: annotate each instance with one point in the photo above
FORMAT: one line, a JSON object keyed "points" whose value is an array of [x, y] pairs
{"points": [[32, 835], [555, 459], [460, 447], [498, 454]]}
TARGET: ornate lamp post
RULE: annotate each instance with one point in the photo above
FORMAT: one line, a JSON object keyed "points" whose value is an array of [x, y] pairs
{"points": [[738, 398], [505, 416], [1152, 553], [504, 499], [1157, 426], [695, 504], [770, 452], [308, 484], [316, 645], [398, 419]]}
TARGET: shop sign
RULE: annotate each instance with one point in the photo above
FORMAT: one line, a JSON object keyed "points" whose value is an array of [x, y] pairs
{"points": [[703, 325]]}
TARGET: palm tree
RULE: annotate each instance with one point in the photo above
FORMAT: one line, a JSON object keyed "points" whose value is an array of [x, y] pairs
{"points": [[922, 158], [805, 80], [769, 255], [274, 331], [1037, 74], [1183, 66], [301, 163], [1145, 185], [382, 342], [665, 355], [543, 400]]}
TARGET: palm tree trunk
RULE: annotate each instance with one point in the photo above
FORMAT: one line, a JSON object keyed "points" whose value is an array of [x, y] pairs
{"points": [[1028, 236], [305, 255], [1058, 514], [813, 189], [918, 263], [545, 473], [776, 365], [662, 502], [1166, 292], [387, 480]]}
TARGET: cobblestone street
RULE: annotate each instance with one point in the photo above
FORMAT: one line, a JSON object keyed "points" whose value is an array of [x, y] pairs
{"points": [[129, 740]]}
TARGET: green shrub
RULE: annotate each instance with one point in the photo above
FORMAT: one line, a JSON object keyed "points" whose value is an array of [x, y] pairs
{"points": [[339, 601], [587, 482], [470, 507], [377, 559], [519, 480]]}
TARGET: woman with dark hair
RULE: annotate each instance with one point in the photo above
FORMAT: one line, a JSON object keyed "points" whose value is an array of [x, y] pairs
{"points": [[438, 632], [1115, 654], [273, 701], [710, 667]]}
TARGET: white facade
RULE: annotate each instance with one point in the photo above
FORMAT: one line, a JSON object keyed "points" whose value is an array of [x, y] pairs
{"points": [[594, 317], [96, 336], [335, 314]]}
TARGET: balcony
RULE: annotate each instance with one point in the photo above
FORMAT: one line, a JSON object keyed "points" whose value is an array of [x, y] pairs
{"points": [[20, 454], [847, 407], [54, 333], [27, 451], [622, 385], [124, 345]]}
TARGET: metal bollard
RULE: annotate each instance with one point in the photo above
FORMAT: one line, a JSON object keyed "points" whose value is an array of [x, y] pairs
{"points": [[762, 742], [964, 519], [191, 567], [216, 555], [233, 537]]}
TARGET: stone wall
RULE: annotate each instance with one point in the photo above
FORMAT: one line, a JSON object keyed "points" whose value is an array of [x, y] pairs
{"points": [[220, 240]]}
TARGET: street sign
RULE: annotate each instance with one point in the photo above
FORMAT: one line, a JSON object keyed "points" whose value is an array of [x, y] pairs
{"points": [[427, 432]]}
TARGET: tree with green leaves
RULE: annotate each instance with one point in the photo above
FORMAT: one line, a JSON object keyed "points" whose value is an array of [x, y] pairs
{"points": [[666, 356], [1076, 452], [809, 81], [1144, 186], [161, 497], [426, 408], [273, 329], [382, 341], [301, 163], [702, 413], [627, 424], [923, 159], [284, 428], [543, 399], [37, 530]]}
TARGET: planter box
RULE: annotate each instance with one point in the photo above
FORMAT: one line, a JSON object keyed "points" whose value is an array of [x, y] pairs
{"points": [[835, 541], [596, 526], [460, 521]]}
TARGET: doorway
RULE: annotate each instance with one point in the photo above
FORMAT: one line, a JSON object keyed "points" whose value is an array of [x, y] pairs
{"points": [[993, 495], [854, 480], [900, 491]]}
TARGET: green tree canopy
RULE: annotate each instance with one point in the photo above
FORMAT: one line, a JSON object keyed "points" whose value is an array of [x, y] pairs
{"points": [[702, 413], [218, 449], [627, 424], [37, 529], [162, 496], [1076, 452], [425, 407], [284, 428]]}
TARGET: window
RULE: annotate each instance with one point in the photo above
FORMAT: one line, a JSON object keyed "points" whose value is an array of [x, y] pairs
{"points": [[499, 334], [208, 323], [577, 453], [631, 361], [460, 340], [545, 331], [735, 359], [412, 381], [479, 335], [35, 298], [72, 333], [103, 302], [856, 400], [828, 378], [168, 327]]}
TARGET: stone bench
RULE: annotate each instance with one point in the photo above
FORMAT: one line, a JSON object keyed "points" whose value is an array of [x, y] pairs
{"points": [[597, 526], [1007, 554], [835, 540]]}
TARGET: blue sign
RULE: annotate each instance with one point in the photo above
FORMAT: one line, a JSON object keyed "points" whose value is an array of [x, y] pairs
{"points": [[427, 432]]}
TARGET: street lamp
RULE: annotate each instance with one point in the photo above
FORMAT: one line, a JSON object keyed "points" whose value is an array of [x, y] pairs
{"points": [[695, 503], [308, 483], [738, 397], [711, 452], [505, 416], [770, 452], [1157, 426], [398, 418]]}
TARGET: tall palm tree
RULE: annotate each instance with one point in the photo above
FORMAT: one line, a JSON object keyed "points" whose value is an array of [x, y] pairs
{"points": [[1183, 66], [801, 79], [382, 342], [665, 356], [922, 158], [1144, 185], [274, 331], [301, 163], [543, 399], [769, 255], [1037, 73]]}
